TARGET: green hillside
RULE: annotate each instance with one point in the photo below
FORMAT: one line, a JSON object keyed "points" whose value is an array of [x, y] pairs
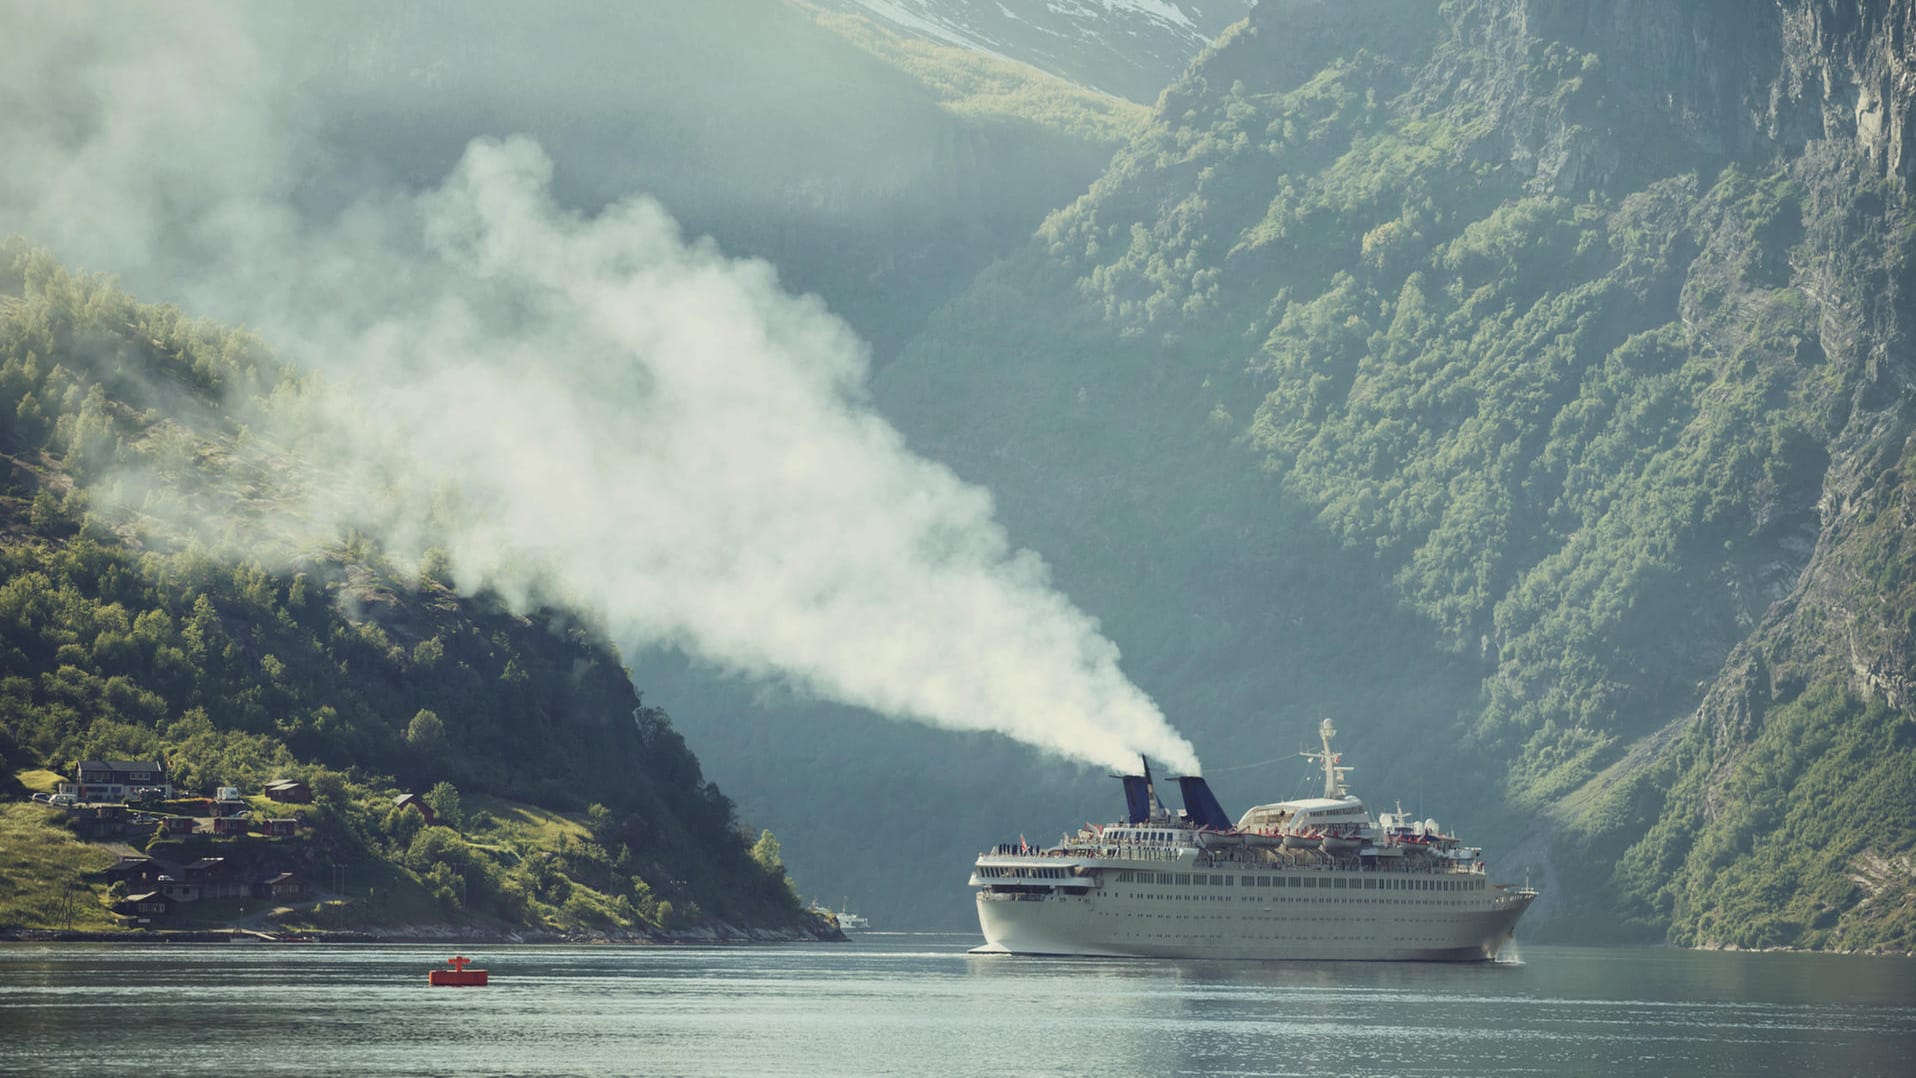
{"points": [[1549, 421], [565, 804]]}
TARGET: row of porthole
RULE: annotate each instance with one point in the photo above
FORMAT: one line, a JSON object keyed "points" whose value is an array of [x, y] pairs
{"points": [[1288, 901], [1221, 917], [1395, 939]]}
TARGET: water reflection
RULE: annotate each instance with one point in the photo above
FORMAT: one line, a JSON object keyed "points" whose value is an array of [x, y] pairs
{"points": [[920, 1005]]}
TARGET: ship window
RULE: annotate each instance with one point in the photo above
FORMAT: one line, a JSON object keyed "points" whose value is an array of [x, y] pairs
{"points": [[1370, 885], [1339, 882]]}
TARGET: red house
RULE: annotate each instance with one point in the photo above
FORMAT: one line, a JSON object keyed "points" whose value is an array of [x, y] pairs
{"points": [[231, 825], [279, 827], [414, 801]]}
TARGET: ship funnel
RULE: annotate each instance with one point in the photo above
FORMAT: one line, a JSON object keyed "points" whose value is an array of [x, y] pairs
{"points": [[1141, 802], [1137, 799], [1201, 804]]}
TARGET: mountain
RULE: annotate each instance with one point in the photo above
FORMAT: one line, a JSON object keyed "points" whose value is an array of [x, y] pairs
{"points": [[565, 805], [1527, 385], [881, 184], [1523, 383], [1132, 48]]}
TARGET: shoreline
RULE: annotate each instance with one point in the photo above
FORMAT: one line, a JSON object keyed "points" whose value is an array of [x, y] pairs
{"points": [[706, 936]]}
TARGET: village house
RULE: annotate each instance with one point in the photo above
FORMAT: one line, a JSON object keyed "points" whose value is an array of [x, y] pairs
{"points": [[227, 802], [283, 885], [418, 803], [96, 822], [280, 827], [144, 905], [231, 825], [291, 791], [216, 878], [138, 873], [178, 825], [116, 780], [177, 890]]}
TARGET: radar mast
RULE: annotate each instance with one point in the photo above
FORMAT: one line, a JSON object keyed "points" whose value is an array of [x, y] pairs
{"points": [[1333, 771]]}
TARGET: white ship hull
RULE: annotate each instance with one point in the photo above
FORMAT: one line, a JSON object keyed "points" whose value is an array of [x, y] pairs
{"points": [[1363, 915], [1306, 878]]}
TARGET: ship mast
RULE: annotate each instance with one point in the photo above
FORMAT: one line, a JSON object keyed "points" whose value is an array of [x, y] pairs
{"points": [[1333, 771]]}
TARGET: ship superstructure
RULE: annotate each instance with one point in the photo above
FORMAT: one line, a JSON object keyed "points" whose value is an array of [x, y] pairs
{"points": [[1312, 878]]}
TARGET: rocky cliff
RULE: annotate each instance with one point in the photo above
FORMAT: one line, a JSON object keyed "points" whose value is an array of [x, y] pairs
{"points": [[1530, 378]]}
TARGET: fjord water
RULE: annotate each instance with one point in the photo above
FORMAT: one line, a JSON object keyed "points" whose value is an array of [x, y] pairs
{"points": [[917, 1004]]}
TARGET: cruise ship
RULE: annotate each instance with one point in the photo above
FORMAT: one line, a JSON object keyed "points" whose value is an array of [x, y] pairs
{"points": [[1314, 878]]}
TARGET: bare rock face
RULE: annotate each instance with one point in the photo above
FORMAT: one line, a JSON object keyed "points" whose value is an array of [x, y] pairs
{"points": [[1734, 78], [1848, 72]]}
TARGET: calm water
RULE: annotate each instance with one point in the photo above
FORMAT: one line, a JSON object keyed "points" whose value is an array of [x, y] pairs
{"points": [[917, 1004]]}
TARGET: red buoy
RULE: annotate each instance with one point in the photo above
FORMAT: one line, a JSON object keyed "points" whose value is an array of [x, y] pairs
{"points": [[458, 976]]}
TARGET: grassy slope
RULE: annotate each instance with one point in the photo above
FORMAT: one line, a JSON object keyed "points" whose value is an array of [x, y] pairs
{"points": [[978, 86], [43, 866]]}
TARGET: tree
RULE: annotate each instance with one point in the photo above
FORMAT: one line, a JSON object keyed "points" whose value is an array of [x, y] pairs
{"points": [[444, 799], [766, 852], [436, 566], [599, 822], [426, 733]]}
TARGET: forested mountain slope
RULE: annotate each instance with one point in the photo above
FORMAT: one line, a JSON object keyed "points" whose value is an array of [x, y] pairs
{"points": [[583, 811], [1528, 383]]}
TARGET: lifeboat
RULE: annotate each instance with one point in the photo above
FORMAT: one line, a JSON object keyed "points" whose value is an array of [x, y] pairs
{"points": [[458, 976], [1341, 843], [1303, 840]]}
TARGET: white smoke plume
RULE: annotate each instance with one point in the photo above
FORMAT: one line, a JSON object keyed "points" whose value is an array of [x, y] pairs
{"points": [[585, 408]]}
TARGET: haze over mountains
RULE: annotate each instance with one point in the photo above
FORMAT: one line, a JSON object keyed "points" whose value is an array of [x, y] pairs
{"points": [[1133, 48], [1528, 366], [1524, 384]]}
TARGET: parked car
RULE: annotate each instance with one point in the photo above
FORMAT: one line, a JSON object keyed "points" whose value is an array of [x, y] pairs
{"points": [[44, 799]]}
